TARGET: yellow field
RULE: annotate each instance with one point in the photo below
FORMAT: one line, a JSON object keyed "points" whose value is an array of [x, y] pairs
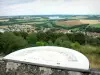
{"points": [[90, 21], [70, 22], [77, 22], [3, 27]]}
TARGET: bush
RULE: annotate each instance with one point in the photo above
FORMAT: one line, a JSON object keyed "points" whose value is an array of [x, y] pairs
{"points": [[9, 43], [40, 43], [88, 49], [75, 45], [66, 44]]}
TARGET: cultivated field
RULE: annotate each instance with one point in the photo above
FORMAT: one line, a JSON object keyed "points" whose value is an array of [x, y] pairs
{"points": [[70, 22], [90, 21], [34, 23], [4, 20], [1, 27], [77, 22]]}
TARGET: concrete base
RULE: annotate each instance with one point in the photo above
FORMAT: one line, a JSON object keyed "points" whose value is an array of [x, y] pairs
{"points": [[12, 68]]}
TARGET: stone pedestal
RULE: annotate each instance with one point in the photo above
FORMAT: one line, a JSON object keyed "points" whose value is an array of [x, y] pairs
{"points": [[12, 68]]}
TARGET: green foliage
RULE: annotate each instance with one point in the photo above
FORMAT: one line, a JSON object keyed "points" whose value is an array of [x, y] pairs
{"points": [[75, 45], [12, 20], [40, 43], [49, 35], [66, 44], [79, 37], [32, 38], [50, 43], [63, 41], [93, 41], [9, 42], [79, 27], [71, 37], [88, 49], [93, 28], [41, 36], [22, 34], [94, 60], [0, 34]]}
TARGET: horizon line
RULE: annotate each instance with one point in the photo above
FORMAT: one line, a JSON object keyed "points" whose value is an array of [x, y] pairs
{"points": [[47, 14]]}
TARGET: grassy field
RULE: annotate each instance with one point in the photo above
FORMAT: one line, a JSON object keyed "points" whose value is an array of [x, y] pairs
{"points": [[94, 60], [95, 25], [92, 53]]}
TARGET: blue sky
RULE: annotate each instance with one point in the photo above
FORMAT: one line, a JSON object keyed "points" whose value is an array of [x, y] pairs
{"points": [[38, 7]]}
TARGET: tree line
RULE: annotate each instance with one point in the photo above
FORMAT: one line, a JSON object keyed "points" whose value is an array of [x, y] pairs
{"points": [[12, 41]]}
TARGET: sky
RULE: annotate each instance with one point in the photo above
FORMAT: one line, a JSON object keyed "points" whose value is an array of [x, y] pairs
{"points": [[49, 7]]}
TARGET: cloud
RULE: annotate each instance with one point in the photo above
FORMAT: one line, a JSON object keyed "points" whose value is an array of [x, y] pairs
{"points": [[52, 7], [11, 2]]}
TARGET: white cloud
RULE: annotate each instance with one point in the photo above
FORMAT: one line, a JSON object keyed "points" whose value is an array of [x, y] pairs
{"points": [[53, 7]]}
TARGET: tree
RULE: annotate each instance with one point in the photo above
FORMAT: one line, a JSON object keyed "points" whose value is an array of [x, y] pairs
{"points": [[1, 34], [41, 36], [32, 38], [94, 41], [79, 37], [63, 41], [9, 42], [22, 34], [75, 45], [51, 35], [71, 37], [66, 44], [50, 43]]}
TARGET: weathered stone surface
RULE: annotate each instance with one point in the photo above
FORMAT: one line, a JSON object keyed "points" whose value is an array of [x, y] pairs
{"points": [[95, 72], [25, 69], [12, 68], [2, 67]]}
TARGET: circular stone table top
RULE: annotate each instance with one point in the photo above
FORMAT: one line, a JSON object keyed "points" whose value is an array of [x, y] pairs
{"points": [[51, 56]]}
